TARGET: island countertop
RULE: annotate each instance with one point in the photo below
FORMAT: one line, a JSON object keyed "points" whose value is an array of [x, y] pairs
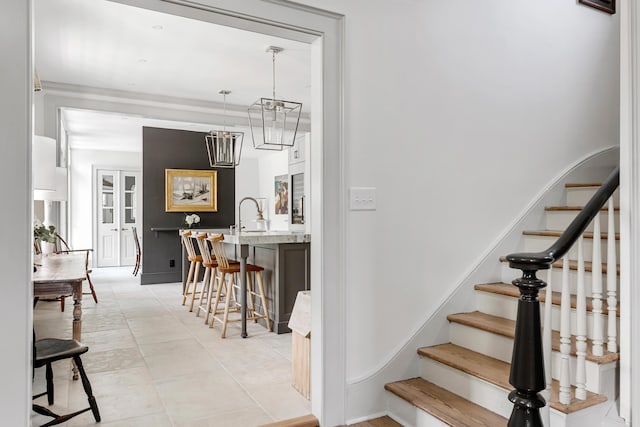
{"points": [[260, 237]]}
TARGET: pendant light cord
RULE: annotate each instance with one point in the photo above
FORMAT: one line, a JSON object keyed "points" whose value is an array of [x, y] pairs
{"points": [[274, 75], [224, 120]]}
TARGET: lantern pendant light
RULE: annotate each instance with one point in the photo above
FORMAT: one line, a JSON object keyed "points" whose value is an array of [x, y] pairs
{"points": [[224, 147], [274, 122]]}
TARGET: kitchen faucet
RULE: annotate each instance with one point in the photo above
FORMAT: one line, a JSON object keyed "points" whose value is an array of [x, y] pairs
{"points": [[260, 217]]}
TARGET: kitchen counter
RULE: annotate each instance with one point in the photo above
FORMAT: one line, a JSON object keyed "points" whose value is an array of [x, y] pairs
{"points": [[254, 237], [266, 237], [285, 256]]}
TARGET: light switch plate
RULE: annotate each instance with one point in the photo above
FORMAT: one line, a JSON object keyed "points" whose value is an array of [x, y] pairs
{"points": [[362, 199]]}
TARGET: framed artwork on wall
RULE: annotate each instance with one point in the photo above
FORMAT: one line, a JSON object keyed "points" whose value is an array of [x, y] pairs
{"points": [[189, 190], [608, 6], [281, 192]]}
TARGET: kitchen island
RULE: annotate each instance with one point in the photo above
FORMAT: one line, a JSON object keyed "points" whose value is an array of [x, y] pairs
{"points": [[285, 257]]}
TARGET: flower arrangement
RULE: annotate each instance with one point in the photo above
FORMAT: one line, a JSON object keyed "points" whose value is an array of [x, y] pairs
{"points": [[43, 233], [191, 219]]}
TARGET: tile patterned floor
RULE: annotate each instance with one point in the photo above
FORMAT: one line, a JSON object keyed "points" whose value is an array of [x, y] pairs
{"points": [[153, 363]]}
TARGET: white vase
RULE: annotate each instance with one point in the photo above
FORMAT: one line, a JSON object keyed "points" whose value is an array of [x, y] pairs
{"points": [[47, 248]]}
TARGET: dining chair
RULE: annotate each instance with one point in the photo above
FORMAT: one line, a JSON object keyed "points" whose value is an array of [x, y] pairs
{"points": [[195, 261], [136, 267], [63, 248], [209, 287], [45, 352], [227, 287]]}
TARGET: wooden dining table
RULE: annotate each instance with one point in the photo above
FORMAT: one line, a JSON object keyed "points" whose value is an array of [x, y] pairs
{"points": [[62, 275]]}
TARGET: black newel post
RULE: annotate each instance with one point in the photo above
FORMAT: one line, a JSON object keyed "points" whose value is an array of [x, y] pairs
{"points": [[527, 363]]}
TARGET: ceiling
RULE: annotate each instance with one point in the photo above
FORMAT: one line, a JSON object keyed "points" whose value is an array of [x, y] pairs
{"points": [[107, 45]]}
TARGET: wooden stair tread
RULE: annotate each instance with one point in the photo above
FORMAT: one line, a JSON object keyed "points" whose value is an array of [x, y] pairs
{"points": [[507, 327], [444, 405], [303, 421], [558, 233], [497, 372], [473, 363], [378, 422], [573, 265], [576, 208], [509, 290]]}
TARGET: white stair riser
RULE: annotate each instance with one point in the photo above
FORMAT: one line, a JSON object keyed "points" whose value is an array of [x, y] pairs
{"points": [[560, 220], [541, 243], [580, 196], [471, 388], [409, 415], [601, 379], [509, 274], [487, 343], [501, 348], [588, 417], [507, 307]]}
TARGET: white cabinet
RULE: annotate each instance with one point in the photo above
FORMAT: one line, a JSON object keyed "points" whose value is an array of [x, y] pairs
{"points": [[299, 183], [297, 152]]}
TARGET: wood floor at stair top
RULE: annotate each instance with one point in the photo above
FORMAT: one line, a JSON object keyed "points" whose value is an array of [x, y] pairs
{"points": [[378, 422], [512, 291], [444, 405], [575, 208], [496, 372], [303, 421], [507, 327]]}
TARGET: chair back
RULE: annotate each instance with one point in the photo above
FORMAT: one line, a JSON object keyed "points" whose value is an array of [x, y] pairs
{"points": [[61, 244], [188, 245], [203, 246], [136, 241], [218, 249]]}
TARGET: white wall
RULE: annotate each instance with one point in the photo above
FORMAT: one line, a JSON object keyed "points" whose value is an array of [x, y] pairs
{"points": [[458, 112], [270, 166], [82, 181], [16, 227], [247, 186]]}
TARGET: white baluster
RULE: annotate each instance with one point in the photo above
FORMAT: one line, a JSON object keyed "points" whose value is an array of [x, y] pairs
{"points": [[611, 281], [546, 347], [596, 289], [581, 326], [565, 335]]}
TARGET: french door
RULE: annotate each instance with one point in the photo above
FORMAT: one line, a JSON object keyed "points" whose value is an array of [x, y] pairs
{"points": [[118, 200]]}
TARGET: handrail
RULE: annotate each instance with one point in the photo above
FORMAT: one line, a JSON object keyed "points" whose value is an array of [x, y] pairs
{"points": [[560, 247], [527, 365]]}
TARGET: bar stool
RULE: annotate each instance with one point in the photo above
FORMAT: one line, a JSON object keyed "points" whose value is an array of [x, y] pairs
{"points": [[209, 281], [195, 261], [227, 288]]}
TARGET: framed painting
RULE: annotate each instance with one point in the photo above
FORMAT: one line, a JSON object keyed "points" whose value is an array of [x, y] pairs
{"points": [[191, 190], [608, 6], [281, 193]]}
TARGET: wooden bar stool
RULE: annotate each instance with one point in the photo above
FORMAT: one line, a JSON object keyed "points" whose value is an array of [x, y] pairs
{"points": [[227, 289], [209, 287], [195, 261]]}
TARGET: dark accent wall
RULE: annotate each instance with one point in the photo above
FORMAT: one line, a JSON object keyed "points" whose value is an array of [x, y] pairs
{"points": [[175, 149]]}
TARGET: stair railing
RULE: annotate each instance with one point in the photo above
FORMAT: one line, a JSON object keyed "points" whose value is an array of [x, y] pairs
{"points": [[527, 363]]}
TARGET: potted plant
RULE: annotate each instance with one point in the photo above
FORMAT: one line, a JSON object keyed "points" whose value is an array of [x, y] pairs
{"points": [[46, 235]]}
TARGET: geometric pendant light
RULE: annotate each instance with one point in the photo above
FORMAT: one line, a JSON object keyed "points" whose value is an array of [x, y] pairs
{"points": [[224, 147], [274, 122]]}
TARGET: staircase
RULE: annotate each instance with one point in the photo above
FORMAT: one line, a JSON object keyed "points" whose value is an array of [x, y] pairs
{"points": [[466, 382]]}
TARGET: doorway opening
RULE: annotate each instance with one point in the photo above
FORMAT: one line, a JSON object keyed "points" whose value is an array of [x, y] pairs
{"points": [[323, 31]]}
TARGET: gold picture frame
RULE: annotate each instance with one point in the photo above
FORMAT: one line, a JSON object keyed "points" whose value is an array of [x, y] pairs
{"points": [[189, 190]]}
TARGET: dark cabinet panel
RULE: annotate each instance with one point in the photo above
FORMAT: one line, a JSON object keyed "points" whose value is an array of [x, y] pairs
{"points": [[287, 271]]}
